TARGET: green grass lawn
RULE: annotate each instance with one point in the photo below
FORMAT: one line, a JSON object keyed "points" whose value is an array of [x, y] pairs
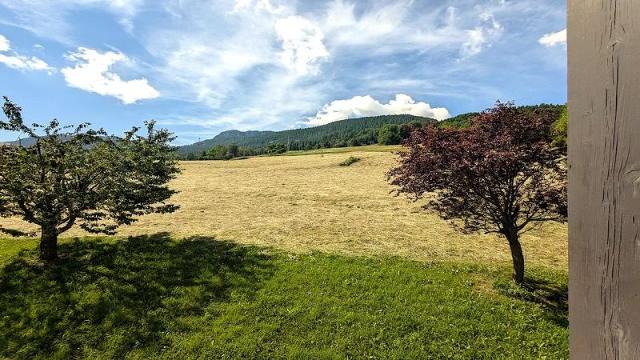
{"points": [[153, 297]]}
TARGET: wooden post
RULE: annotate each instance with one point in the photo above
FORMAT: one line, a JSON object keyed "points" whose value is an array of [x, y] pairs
{"points": [[604, 178]]}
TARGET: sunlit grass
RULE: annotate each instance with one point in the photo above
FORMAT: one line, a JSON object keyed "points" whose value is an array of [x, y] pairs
{"points": [[154, 297]]}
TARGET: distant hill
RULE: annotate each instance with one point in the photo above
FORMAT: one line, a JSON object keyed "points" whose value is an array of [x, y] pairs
{"points": [[24, 142], [30, 141], [359, 131]]}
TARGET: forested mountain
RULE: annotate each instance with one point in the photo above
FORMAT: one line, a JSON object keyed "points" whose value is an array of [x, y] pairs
{"points": [[350, 132]]}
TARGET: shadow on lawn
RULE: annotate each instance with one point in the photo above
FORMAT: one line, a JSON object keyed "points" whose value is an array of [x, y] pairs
{"points": [[116, 296], [553, 297]]}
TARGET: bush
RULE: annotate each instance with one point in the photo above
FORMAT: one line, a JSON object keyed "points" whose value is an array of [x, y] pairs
{"points": [[350, 160]]}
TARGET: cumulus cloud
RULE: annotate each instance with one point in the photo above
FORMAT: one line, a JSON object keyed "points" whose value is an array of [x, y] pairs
{"points": [[20, 62], [553, 39], [92, 73], [361, 106], [302, 46]]}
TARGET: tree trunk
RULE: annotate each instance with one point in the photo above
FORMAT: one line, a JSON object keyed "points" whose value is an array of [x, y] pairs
{"points": [[517, 256], [48, 243]]}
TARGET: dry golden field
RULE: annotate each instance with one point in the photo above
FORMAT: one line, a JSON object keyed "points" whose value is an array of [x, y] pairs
{"points": [[309, 202]]}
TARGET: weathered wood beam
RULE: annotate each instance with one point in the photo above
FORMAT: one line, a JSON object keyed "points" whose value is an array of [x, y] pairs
{"points": [[604, 178]]}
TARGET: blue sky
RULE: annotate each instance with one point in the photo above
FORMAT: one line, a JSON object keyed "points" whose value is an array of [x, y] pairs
{"points": [[199, 67]]}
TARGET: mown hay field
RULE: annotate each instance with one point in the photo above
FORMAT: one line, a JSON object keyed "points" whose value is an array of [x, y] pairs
{"points": [[310, 203]]}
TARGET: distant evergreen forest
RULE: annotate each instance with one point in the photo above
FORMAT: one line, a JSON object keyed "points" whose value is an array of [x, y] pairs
{"points": [[385, 129], [350, 132]]}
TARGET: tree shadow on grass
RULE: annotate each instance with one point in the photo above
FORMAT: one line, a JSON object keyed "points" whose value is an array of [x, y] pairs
{"points": [[551, 296], [114, 297]]}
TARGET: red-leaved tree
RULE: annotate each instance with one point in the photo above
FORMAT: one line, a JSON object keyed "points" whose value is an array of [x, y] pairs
{"points": [[500, 175]]}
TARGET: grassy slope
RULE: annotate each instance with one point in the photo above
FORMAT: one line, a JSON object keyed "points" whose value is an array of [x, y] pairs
{"points": [[307, 203], [200, 298]]}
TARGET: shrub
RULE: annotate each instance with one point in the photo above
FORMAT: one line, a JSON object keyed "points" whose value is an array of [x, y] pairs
{"points": [[350, 161]]}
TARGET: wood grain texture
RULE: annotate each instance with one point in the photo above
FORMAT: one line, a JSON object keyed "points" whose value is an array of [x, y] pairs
{"points": [[604, 178]]}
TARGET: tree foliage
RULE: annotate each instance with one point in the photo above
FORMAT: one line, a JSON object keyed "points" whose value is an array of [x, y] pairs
{"points": [[275, 148], [389, 134], [499, 175], [78, 176], [559, 129], [459, 121]]}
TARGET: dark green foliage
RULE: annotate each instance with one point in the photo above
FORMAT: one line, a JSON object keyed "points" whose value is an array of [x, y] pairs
{"points": [[559, 130], [77, 176], [351, 132], [233, 151], [406, 129], [389, 134], [350, 161], [151, 297], [275, 149], [218, 152], [224, 152], [459, 122]]}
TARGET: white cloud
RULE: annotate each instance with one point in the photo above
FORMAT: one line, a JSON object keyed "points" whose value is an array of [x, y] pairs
{"points": [[259, 5], [5, 45], [302, 46], [394, 27], [480, 36], [48, 18], [92, 73], [381, 24], [361, 106], [20, 62], [553, 39]]}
